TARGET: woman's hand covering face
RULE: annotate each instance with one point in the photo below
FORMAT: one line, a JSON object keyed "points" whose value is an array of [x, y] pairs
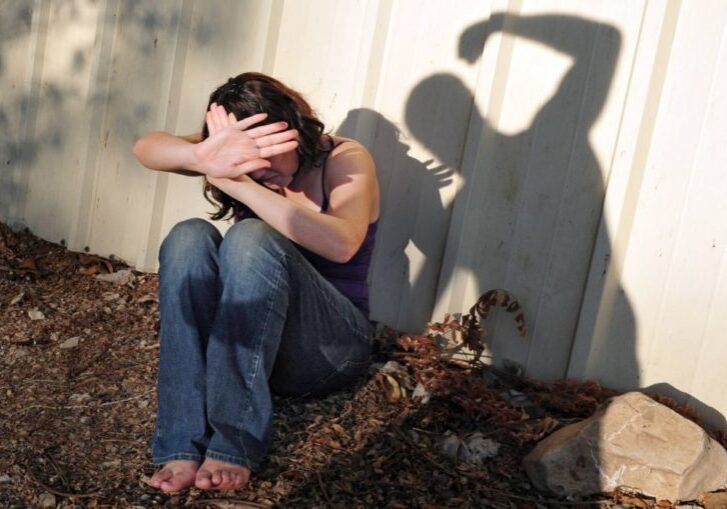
{"points": [[234, 147]]}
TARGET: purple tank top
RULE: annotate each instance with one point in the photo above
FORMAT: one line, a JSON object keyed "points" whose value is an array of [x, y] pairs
{"points": [[348, 278]]}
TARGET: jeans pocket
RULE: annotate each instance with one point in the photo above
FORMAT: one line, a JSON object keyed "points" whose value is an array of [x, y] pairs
{"points": [[347, 373]]}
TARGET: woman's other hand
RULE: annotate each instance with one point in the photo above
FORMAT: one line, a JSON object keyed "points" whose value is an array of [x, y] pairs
{"points": [[234, 147]]}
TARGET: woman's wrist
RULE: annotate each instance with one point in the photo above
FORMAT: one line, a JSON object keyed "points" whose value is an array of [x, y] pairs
{"points": [[193, 160]]}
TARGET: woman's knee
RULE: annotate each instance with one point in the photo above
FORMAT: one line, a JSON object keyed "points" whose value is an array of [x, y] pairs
{"points": [[188, 241], [253, 239]]}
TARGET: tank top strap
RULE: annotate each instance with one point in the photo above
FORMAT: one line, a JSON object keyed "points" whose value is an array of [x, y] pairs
{"points": [[324, 202]]}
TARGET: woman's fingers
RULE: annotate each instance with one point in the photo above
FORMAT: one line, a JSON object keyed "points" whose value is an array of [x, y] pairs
{"points": [[212, 125], [217, 118], [250, 121], [255, 164], [276, 138], [220, 115], [266, 129], [280, 148]]}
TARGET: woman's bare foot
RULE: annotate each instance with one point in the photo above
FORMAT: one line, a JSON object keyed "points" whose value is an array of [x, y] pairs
{"points": [[175, 476], [218, 475]]}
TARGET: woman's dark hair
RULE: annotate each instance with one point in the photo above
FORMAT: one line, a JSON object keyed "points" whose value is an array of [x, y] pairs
{"points": [[251, 93]]}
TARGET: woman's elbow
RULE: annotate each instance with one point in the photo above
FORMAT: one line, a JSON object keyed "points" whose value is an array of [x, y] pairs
{"points": [[346, 250], [138, 149]]}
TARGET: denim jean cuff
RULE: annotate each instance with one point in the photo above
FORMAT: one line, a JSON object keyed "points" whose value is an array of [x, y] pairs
{"points": [[178, 456], [235, 460]]}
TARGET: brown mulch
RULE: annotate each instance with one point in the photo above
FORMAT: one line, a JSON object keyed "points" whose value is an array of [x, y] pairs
{"points": [[79, 355]]}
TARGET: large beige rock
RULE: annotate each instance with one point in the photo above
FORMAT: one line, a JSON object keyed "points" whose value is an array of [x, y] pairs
{"points": [[631, 442]]}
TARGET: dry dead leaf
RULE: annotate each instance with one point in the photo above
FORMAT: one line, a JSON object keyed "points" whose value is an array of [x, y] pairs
{"points": [[17, 298], [28, 267]]}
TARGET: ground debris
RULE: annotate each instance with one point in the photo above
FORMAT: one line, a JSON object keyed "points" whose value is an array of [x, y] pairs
{"points": [[76, 421]]}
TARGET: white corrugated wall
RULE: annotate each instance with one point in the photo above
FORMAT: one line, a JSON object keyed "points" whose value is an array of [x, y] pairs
{"points": [[570, 152]]}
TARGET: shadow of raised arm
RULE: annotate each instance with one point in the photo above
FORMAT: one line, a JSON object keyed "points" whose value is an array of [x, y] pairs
{"points": [[590, 43]]}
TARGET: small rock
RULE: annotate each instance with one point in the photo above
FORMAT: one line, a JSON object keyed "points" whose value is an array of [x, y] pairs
{"points": [[47, 501], [70, 343], [111, 464], [17, 298], [477, 449], [632, 441], [5, 479], [474, 450], [421, 394], [35, 314], [451, 447], [79, 398], [85, 419], [121, 277]]}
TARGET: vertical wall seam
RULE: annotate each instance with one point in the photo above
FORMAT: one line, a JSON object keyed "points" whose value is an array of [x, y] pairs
{"points": [[374, 78], [271, 44], [638, 166], [41, 17], [98, 99], [455, 238], [78, 235], [603, 226], [558, 218], [680, 226], [146, 255], [379, 42]]}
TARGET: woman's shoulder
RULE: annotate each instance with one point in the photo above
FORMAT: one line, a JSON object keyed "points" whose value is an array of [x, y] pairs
{"points": [[348, 151], [350, 166]]}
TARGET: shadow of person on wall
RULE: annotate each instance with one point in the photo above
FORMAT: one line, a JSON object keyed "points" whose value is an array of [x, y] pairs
{"points": [[413, 217], [529, 208], [529, 212]]}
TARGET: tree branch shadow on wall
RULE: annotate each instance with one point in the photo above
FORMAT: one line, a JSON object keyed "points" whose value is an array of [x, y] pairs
{"points": [[57, 111]]}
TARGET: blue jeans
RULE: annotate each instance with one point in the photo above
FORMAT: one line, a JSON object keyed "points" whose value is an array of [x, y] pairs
{"points": [[241, 317]]}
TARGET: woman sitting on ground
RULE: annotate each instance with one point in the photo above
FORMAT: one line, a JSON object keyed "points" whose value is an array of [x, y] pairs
{"points": [[280, 303]]}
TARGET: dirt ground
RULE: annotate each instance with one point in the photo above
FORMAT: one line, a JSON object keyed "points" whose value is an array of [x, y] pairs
{"points": [[79, 358]]}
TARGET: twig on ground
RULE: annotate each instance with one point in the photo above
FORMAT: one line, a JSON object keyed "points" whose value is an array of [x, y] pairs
{"points": [[55, 491], [202, 501], [323, 489], [107, 403]]}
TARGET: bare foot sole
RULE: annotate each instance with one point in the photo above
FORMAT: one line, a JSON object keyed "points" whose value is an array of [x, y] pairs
{"points": [[218, 475], [175, 476]]}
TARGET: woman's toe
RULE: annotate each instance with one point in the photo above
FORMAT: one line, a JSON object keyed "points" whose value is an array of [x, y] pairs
{"points": [[216, 477], [160, 476], [203, 480]]}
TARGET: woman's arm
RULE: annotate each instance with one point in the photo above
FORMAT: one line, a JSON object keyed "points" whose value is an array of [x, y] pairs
{"points": [[232, 148], [339, 232], [166, 152]]}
